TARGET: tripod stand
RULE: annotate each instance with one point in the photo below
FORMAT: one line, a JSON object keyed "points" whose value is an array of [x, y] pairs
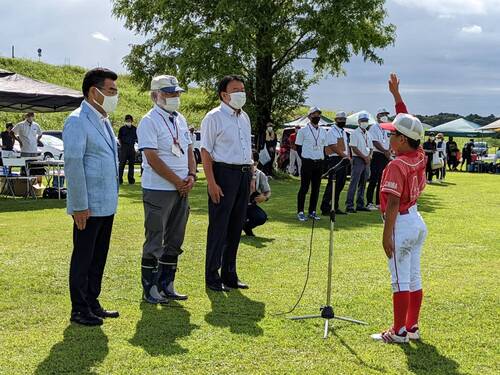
{"points": [[327, 310]]}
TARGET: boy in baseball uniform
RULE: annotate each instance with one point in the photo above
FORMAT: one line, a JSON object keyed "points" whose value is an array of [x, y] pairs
{"points": [[403, 180]]}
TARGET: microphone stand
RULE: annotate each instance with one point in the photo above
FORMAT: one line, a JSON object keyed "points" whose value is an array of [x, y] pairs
{"points": [[326, 312]]}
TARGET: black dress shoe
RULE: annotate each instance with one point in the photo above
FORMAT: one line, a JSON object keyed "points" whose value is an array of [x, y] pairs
{"points": [[338, 211], [236, 285], [101, 313], [86, 319], [218, 287], [350, 210]]}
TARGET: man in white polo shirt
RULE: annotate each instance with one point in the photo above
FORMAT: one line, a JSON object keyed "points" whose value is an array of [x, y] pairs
{"points": [[362, 148], [337, 148], [28, 134], [168, 177], [381, 156], [310, 143], [226, 152]]}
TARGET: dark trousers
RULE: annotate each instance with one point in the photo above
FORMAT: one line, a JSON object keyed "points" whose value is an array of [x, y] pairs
{"points": [[310, 174], [90, 250], [428, 168], [340, 180], [255, 216], [225, 223], [127, 155], [377, 166]]}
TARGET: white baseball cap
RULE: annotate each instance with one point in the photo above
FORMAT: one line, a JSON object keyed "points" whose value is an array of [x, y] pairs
{"points": [[382, 111], [363, 117], [313, 109], [341, 114], [407, 125], [165, 83]]}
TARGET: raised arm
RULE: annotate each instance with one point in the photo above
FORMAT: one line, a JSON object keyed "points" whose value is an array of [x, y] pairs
{"points": [[394, 89]]}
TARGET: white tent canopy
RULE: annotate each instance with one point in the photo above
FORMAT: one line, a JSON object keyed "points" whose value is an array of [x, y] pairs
{"points": [[352, 120], [493, 126], [304, 120]]}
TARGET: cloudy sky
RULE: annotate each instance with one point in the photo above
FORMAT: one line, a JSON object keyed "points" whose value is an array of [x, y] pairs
{"points": [[446, 53]]}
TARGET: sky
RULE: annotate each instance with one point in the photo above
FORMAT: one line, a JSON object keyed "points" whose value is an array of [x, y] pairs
{"points": [[446, 52]]}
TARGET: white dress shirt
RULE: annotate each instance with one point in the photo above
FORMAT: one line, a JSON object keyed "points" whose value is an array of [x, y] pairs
{"points": [[380, 135], [313, 142], [157, 130], [333, 135], [28, 134], [362, 140], [104, 121], [227, 135]]}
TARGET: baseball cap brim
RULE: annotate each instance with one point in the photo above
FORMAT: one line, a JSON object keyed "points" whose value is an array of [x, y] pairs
{"points": [[170, 90], [388, 126]]}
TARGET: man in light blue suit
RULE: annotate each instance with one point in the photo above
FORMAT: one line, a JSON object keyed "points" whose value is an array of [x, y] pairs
{"points": [[91, 169]]}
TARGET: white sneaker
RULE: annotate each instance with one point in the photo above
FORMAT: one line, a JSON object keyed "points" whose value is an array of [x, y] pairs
{"points": [[301, 217], [390, 337], [413, 333], [372, 207]]}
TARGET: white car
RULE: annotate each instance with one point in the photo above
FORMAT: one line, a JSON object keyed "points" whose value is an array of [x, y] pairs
{"points": [[52, 147]]}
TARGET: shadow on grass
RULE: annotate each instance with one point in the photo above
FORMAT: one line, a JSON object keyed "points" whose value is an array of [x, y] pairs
{"points": [[160, 327], [357, 356], [236, 311], [424, 358], [258, 242], [81, 349], [21, 204]]}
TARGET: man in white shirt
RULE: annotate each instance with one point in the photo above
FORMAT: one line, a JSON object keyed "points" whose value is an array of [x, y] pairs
{"points": [[381, 157], [28, 134], [362, 148], [310, 144], [226, 153], [168, 177], [337, 148]]}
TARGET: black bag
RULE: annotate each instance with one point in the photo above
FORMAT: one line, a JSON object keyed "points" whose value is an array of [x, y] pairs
{"points": [[52, 193]]}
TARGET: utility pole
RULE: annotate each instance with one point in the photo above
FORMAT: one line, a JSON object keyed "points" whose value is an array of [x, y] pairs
{"points": [[13, 52]]}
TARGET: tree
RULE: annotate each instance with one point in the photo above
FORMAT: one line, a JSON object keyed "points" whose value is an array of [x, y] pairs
{"points": [[202, 40]]}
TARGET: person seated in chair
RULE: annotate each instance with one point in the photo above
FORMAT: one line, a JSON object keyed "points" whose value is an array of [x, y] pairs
{"points": [[260, 192]]}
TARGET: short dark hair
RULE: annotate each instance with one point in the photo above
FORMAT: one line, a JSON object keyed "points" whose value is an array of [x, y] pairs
{"points": [[96, 77], [129, 117], [255, 156], [225, 81], [413, 143], [9, 125]]}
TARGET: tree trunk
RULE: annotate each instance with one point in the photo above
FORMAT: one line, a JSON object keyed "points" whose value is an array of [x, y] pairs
{"points": [[263, 82]]}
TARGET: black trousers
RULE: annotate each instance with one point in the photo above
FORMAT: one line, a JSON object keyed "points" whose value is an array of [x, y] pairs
{"points": [[310, 174], [255, 216], [377, 166], [340, 180], [90, 250], [127, 155], [225, 223]]}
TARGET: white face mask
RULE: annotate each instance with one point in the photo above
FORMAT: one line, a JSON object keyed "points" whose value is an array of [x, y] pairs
{"points": [[384, 119], [431, 138], [363, 125], [269, 129], [170, 104], [129, 124], [109, 103], [238, 100]]}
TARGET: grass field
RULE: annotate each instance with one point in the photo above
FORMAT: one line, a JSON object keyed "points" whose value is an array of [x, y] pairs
{"points": [[237, 332]]}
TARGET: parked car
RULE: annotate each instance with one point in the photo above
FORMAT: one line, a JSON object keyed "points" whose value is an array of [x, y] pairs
{"points": [[480, 148], [54, 133], [52, 147]]}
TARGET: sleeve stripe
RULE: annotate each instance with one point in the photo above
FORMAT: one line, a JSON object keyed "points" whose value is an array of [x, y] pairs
{"points": [[390, 191]]}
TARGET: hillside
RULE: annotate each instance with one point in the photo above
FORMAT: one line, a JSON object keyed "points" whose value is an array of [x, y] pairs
{"points": [[195, 102]]}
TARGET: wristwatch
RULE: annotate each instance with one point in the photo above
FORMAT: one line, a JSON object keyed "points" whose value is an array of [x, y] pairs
{"points": [[193, 175]]}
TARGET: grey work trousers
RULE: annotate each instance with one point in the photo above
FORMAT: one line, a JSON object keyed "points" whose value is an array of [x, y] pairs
{"points": [[359, 176], [165, 218]]}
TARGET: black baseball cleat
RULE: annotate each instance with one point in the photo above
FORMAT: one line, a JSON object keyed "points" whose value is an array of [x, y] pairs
{"points": [[85, 319]]}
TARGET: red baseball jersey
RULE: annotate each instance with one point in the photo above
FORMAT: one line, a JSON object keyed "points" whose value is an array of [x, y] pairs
{"points": [[404, 177]]}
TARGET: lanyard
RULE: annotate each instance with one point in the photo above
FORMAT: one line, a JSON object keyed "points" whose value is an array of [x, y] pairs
{"points": [[176, 138], [315, 138]]}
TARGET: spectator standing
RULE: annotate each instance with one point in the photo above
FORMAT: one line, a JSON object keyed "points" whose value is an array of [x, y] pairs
{"points": [[381, 156], [441, 149], [127, 137], [362, 149], [310, 144], [452, 154], [429, 148], [295, 162]]}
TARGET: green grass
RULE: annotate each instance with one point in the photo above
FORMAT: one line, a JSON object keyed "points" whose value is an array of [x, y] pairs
{"points": [[132, 100], [237, 333]]}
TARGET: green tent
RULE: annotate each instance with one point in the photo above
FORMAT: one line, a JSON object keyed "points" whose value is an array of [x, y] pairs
{"points": [[459, 128]]}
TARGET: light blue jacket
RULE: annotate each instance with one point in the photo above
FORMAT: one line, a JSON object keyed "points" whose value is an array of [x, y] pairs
{"points": [[90, 163]]}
